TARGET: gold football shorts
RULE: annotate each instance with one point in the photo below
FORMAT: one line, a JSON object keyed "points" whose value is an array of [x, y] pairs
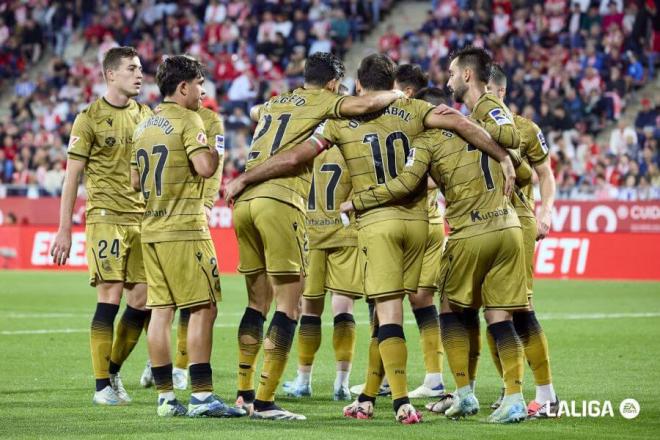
{"points": [[487, 269], [271, 236], [392, 252], [181, 274], [114, 253], [428, 278], [334, 269]]}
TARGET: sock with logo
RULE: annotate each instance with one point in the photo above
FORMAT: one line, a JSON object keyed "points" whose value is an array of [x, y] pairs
{"points": [[456, 342], [309, 339], [250, 337], [343, 337], [277, 346], [510, 351], [100, 341], [471, 322], [394, 353], [429, 332], [126, 337], [535, 345]]}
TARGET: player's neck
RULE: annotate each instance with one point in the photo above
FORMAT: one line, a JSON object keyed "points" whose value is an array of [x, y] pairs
{"points": [[175, 99], [116, 99], [473, 95]]}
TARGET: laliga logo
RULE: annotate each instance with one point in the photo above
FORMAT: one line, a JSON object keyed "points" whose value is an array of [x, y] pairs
{"points": [[629, 409]]}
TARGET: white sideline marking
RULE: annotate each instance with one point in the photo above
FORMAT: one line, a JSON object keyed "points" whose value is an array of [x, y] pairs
{"points": [[542, 317]]}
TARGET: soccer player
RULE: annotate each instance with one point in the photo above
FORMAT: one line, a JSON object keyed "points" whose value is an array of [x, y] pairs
{"points": [[333, 266], [469, 72], [100, 146], [482, 260], [214, 129], [411, 79], [534, 151], [269, 219], [391, 239], [171, 160]]}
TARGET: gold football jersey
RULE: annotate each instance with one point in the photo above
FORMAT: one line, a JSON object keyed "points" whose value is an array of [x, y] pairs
{"points": [[331, 185], [284, 122], [435, 216], [471, 181], [174, 193], [534, 151], [497, 119], [215, 132], [102, 136], [375, 150]]}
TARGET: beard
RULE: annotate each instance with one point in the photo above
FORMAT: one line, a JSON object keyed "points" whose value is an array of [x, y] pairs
{"points": [[459, 93]]}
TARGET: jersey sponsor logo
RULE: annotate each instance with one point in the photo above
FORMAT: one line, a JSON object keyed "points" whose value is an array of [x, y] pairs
{"points": [[72, 141], [201, 138], [499, 116], [477, 216], [220, 143]]}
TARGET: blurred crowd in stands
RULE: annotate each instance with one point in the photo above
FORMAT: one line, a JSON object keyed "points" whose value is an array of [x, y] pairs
{"points": [[574, 68]]}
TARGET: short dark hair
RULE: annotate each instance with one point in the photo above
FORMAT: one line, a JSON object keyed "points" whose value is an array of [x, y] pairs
{"points": [[478, 59], [176, 69], [411, 75], [377, 72], [323, 67], [498, 76], [433, 95], [112, 58]]}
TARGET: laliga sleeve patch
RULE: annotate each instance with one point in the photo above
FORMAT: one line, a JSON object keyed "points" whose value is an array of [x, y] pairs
{"points": [[499, 116], [72, 141], [319, 129], [541, 138], [411, 158], [201, 138], [220, 143]]}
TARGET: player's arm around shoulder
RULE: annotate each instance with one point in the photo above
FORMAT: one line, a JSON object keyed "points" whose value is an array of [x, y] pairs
{"points": [[413, 174], [368, 103]]}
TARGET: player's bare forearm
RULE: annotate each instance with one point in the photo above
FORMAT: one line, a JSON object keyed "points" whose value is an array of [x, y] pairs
{"points": [[368, 103], [405, 183], [62, 241], [430, 184], [547, 188], [74, 170], [467, 129]]}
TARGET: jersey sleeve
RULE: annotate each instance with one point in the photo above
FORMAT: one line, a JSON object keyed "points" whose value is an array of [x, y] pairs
{"points": [[194, 135], [333, 105], [81, 138], [537, 149], [328, 130], [497, 123], [407, 181], [216, 134]]}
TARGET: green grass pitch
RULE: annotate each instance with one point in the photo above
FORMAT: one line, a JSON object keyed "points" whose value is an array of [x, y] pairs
{"points": [[604, 344]]}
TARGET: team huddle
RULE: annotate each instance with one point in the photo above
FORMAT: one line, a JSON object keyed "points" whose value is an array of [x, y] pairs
{"points": [[339, 195]]}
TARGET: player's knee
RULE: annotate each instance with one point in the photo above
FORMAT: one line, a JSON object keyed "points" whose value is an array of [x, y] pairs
{"points": [[109, 292]]}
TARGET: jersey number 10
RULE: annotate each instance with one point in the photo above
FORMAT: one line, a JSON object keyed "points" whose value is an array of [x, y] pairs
{"points": [[373, 140]]}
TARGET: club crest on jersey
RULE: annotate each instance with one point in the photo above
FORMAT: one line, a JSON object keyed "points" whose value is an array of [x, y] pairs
{"points": [[110, 141], [499, 116], [201, 138], [220, 143]]}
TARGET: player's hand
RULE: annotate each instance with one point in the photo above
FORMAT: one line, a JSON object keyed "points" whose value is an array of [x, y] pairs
{"points": [[61, 247], [347, 207], [443, 109], [509, 175], [234, 189], [543, 222]]}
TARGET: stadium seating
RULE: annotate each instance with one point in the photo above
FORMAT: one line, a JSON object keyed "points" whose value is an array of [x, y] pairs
{"points": [[573, 70]]}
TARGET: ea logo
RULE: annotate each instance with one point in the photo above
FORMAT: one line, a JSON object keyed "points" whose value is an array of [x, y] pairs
{"points": [[629, 408]]}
